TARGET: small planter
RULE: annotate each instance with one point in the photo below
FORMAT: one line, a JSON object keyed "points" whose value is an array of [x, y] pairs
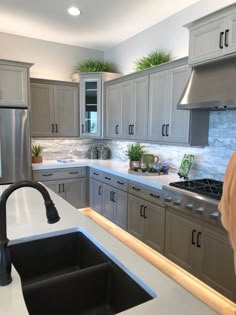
{"points": [[134, 165], [37, 159]]}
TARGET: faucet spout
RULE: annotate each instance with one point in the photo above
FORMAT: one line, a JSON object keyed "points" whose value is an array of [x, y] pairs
{"points": [[51, 213]]}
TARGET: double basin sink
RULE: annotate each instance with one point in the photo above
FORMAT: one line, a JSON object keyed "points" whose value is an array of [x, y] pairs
{"points": [[69, 275]]}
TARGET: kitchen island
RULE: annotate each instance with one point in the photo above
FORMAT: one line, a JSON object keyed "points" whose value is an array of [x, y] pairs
{"points": [[26, 220]]}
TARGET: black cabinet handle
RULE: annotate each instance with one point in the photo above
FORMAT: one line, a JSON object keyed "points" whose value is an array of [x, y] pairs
{"points": [[59, 188], [134, 188], [132, 130], [63, 185], [227, 38], [117, 129], [52, 128], [162, 130], [75, 172], [45, 175], [221, 40], [82, 128], [108, 178], [100, 190], [193, 235], [56, 128], [198, 239], [167, 130], [141, 211], [155, 196], [118, 182], [95, 174], [144, 212], [113, 196]]}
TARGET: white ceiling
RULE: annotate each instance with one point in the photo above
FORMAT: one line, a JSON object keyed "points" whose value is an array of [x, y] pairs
{"points": [[102, 25]]}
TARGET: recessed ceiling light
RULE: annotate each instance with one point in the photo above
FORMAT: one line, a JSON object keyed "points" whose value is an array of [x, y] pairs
{"points": [[73, 11]]}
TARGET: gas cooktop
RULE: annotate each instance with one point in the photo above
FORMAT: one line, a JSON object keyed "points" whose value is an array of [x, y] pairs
{"points": [[207, 187]]}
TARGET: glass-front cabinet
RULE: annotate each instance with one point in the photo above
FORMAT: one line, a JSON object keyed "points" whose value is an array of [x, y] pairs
{"points": [[90, 105]]}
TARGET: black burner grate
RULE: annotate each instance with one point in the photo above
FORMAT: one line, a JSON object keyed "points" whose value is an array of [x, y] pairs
{"points": [[207, 187]]}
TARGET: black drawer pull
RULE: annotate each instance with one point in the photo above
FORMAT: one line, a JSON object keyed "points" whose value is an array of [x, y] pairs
{"points": [[144, 212], [117, 131], [155, 196], [108, 178], [167, 130], [118, 182], [56, 128], [198, 239], [193, 234], [137, 189], [52, 128], [46, 175], [162, 130], [75, 172], [100, 190], [95, 174]]}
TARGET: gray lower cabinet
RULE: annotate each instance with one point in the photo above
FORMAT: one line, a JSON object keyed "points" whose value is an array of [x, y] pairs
{"points": [[54, 109], [146, 221], [114, 205], [95, 199], [203, 251], [68, 183]]}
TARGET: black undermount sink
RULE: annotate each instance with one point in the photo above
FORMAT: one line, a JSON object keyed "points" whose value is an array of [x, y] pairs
{"points": [[69, 275]]}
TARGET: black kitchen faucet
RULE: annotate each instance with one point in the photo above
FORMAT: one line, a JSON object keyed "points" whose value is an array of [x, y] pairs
{"points": [[51, 213]]}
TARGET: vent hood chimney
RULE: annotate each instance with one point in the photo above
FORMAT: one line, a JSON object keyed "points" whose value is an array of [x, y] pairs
{"points": [[211, 86]]}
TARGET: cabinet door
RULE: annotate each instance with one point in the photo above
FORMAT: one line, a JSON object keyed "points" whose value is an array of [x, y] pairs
{"points": [[95, 198], [216, 262], [75, 192], [177, 121], [126, 109], [55, 186], [113, 111], [135, 220], [66, 111], [140, 111], [13, 86], [154, 226], [90, 106], [107, 203], [230, 34], [180, 241], [42, 110], [206, 41], [120, 209], [157, 104]]}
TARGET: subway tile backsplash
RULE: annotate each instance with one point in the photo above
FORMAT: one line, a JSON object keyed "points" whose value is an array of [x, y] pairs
{"points": [[210, 161]]}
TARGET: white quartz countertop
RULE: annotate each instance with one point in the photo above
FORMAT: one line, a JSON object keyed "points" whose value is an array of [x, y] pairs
{"points": [[26, 220], [113, 167]]}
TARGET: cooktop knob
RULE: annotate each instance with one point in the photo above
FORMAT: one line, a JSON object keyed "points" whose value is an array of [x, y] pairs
{"points": [[168, 198], [200, 210], [215, 215], [189, 206]]}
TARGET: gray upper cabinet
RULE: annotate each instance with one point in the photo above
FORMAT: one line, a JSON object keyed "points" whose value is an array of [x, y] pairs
{"points": [[54, 109], [127, 109], [167, 124], [213, 37], [14, 83], [91, 103]]}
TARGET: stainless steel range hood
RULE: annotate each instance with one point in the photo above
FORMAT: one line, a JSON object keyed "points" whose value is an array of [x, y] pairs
{"points": [[211, 86]]}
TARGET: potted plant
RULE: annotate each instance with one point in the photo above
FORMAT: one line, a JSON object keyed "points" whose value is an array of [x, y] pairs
{"points": [[154, 58], [37, 149], [135, 152]]}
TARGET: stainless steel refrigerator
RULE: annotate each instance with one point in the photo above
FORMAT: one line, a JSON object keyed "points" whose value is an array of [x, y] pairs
{"points": [[15, 148]]}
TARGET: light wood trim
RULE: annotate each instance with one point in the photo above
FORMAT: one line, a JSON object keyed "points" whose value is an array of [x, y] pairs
{"points": [[203, 292]]}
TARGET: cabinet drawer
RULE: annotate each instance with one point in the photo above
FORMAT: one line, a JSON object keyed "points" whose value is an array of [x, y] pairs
{"points": [[151, 194], [115, 181], [53, 174], [96, 174]]}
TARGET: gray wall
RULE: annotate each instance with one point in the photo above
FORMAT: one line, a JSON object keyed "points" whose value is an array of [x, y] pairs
{"points": [[167, 34], [210, 161]]}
